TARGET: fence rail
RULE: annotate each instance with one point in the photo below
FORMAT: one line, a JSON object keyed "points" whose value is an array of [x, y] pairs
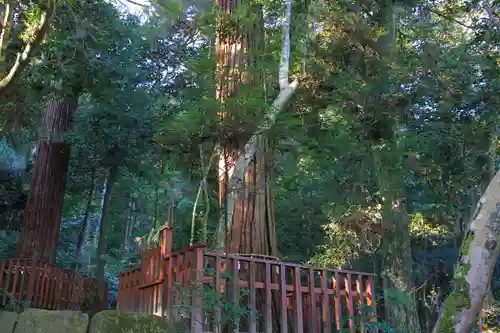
{"points": [[280, 296], [45, 286]]}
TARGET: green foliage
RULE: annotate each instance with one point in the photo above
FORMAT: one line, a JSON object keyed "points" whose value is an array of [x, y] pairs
{"points": [[147, 94], [213, 300], [9, 244]]}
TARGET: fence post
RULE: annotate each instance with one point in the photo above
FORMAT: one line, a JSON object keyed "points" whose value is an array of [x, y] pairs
{"points": [[167, 287], [166, 241], [33, 271], [104, 305], [197, 306], [120, 291]]}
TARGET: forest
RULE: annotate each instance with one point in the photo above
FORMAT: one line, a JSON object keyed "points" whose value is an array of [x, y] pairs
{"points": [[348, 134]]}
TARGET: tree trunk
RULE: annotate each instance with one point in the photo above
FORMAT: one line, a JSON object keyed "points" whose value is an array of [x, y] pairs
{"points": [[248, 226], [251, 226], [101, 247], [253, 229], [397, 271], [244, 165], [83, 236], [473, 274], [42, 215]]}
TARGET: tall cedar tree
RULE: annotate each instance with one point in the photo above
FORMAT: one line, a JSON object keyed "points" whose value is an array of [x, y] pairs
{"points": [[42, 215], [252, 229]]}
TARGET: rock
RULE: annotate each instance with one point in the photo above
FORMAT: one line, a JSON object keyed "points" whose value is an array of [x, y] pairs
{"points": [[7, 321], [45, 321], [127, 322]]}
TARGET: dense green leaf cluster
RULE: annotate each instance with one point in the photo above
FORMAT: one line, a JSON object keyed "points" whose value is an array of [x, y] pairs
{"points": [[427, 107]]}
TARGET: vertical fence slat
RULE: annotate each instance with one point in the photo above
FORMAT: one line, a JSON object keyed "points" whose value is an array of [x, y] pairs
{"points": [[126, 298], [44, 286], [71, 291], [166, 242], [38, 283], [59, 296], [360, 292], [57, 273], [370, 298], [16, 276], [176, 291], [338, 303], [283, 302], [188, 275], [67, 288], [156, 266], [129, 295], [32, 272], [121, 286], [235, 265], [253, 298], [350, 303], [327, 324], [59, 299], [152, 289], [52, 289], [50, 286], [217, 320], [312, 300], [186, 265], [197, 306], [3, 263], [7, 290], [268, 300], [168, 282], [298, 300], [77, 300], [105, 296], [24, 276]]}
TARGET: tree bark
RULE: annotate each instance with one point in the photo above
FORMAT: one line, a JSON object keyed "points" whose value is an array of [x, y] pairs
{"points": [[42, 215], [252, 229], [397, 270], [244, 165], [473, 274], [236, 52], [248, 223]]}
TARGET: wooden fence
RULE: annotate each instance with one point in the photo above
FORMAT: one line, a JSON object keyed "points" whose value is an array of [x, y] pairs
{"points": [[45, 286], [280, 297]]}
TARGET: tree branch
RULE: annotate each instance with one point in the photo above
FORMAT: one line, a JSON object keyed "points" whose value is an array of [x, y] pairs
{"points": [[236, 181], [438, 13], [23, 58], [287, 89], [285, 50], [6, 28], [474, 271], [135, 3]]}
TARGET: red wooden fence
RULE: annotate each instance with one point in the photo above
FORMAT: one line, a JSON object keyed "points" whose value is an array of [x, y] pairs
{"points": [[282, 297], [44, 286]]}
